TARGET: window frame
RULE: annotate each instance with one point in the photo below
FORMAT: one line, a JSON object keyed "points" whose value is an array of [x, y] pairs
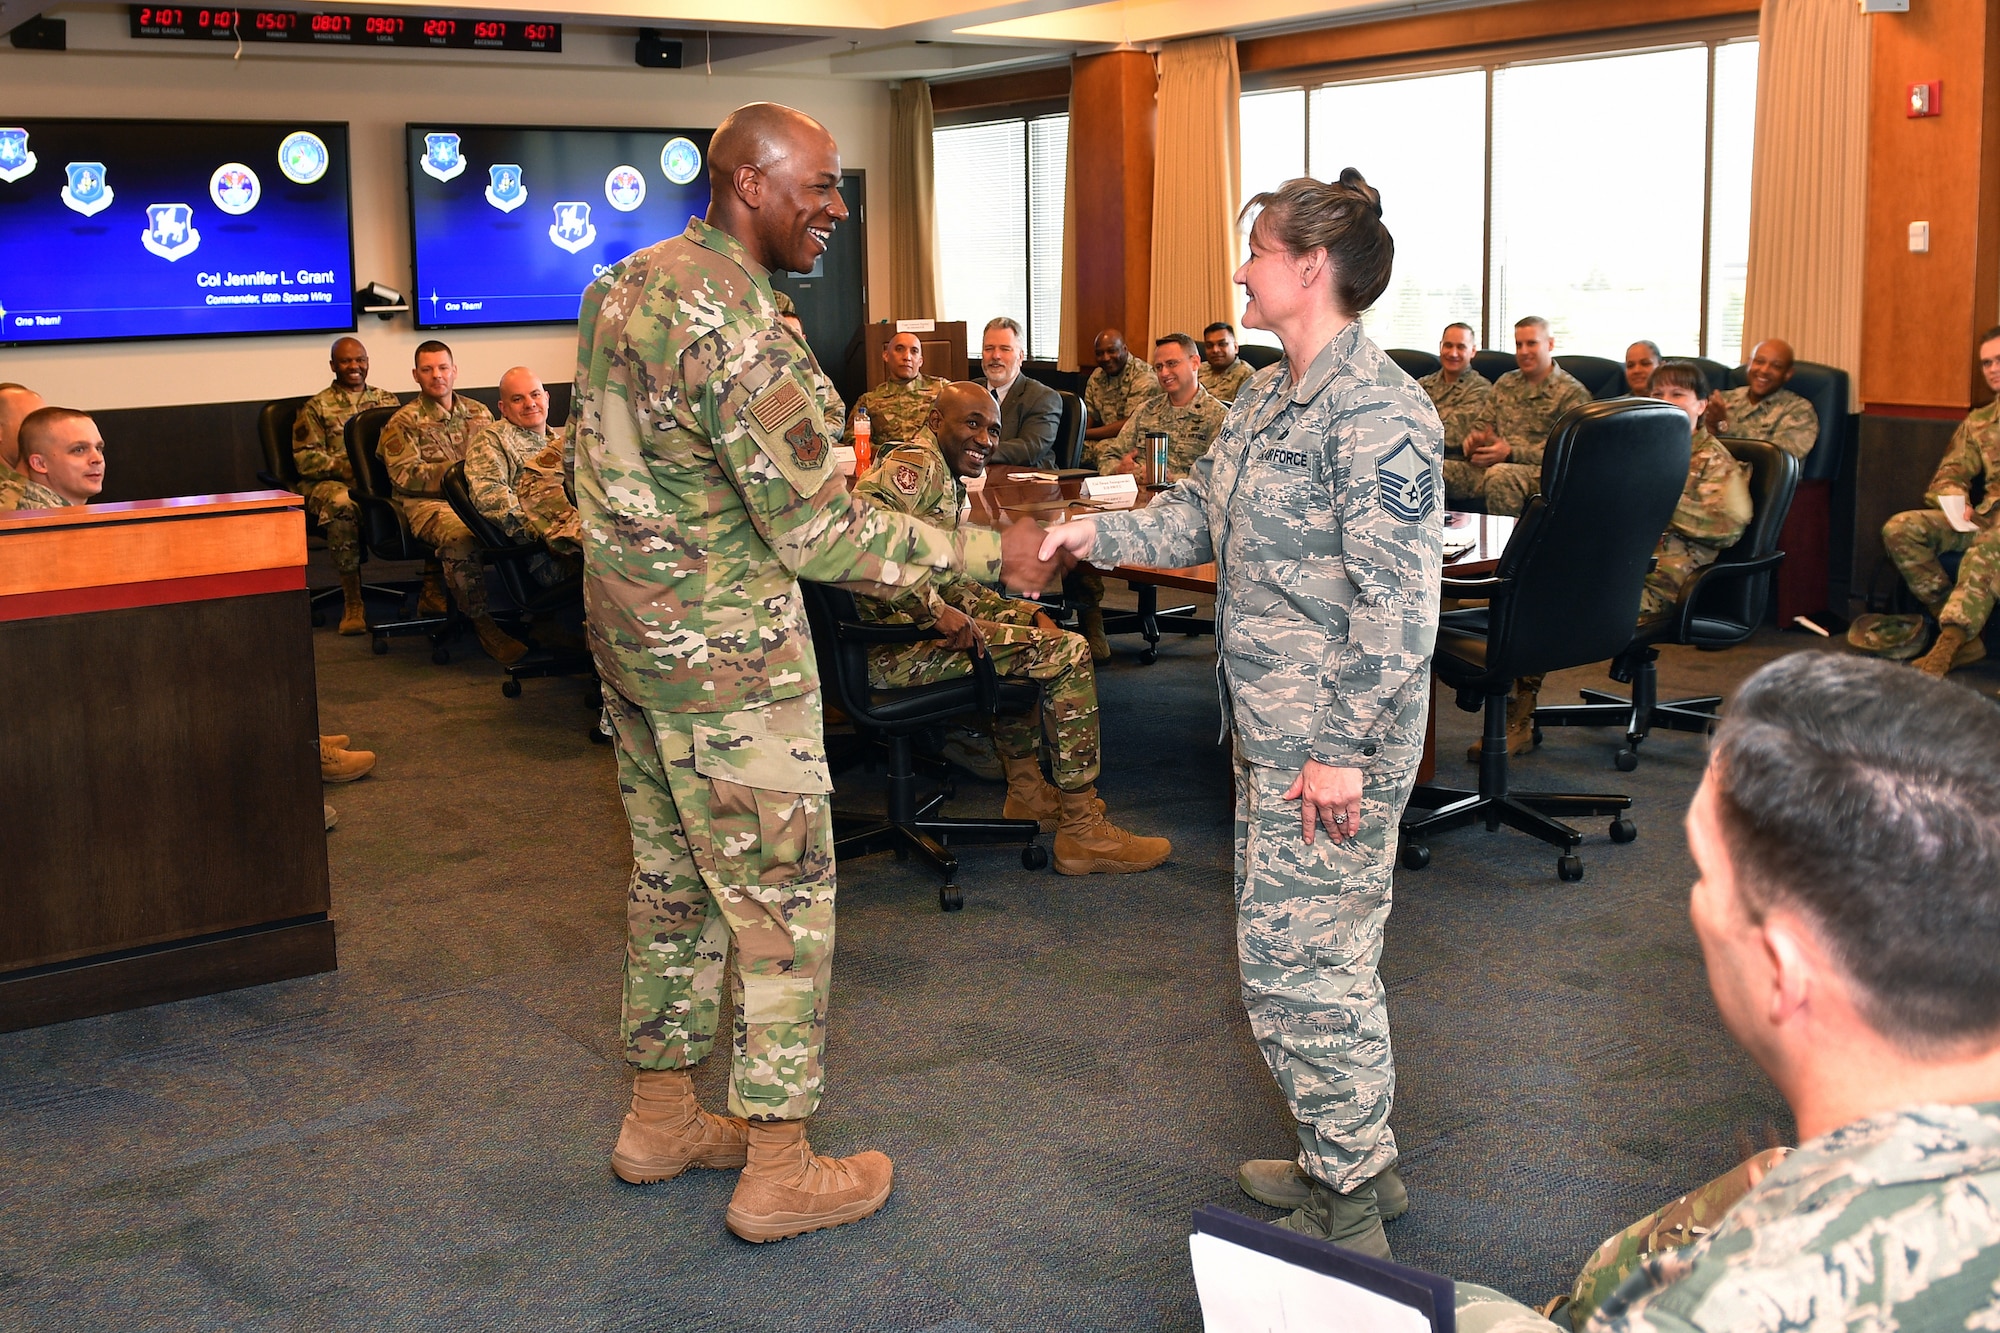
{"points": [[1023, 115]]}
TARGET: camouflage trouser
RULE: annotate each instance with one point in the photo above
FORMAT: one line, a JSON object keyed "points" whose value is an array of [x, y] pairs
{"points": [[457, 549], [1916, 538], [732, 843], [340, 519], [1309, 919], [1674, 563], [1060, 661], [1503, 488]]}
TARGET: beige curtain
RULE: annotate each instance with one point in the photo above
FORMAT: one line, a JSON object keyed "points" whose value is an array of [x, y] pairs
{"points": [[913, 247], [1067, 355], [1808, 184], [1196, 184]]}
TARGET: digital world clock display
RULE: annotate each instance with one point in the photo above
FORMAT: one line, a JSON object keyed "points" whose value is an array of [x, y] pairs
{"points": [[176, 23]]}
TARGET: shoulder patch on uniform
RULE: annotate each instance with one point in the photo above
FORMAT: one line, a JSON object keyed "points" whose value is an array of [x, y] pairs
{"points": [[907, 478], [775, 408], [1405, 485], [803, 439]]}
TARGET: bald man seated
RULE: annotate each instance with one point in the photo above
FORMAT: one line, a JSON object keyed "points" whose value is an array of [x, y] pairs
{"points": [[516, 470], [1764, 409], [62, 455], [319, 451], [16, 402], [1116, 388]]}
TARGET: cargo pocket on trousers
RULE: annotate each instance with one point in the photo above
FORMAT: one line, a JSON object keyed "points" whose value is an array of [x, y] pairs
{"points": [[768, 822]]}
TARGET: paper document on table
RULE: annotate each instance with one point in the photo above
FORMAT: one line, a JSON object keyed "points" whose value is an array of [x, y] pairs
{"points": [[1253, 1277], [1034, 476], [1456, 546], [1956, 513]]}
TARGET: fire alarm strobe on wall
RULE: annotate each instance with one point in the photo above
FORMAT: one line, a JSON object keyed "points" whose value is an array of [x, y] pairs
{"points": [[1924, 98]]}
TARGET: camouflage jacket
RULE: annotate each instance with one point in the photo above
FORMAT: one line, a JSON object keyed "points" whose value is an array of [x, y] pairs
{"points": [[1783, 419], [1190, 430], [1523, 414], [1887, 1223], [37, 496], [706, 486], [1461, 404], [420, 443], [1715, 505], [499, 461], [1226, 384], [1112, 397], [914, 479], [1321, 505], [1974, 453], [319, 444], [12, 483], [897, 410]]}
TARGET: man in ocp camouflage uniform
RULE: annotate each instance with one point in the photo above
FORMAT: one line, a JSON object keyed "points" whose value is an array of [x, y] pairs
{"points": [[1120, 383], [899, 406], [508, 467], [17, 401], [319, 451], [706, 488], [1525, 406], [1187, 414], [1915, 538], [1461, 396], [1764, 409], [926, 479], [1855, 954]]}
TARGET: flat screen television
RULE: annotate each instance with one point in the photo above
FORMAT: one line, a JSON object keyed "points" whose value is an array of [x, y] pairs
{"points": [[509, 224], [113, 229]]}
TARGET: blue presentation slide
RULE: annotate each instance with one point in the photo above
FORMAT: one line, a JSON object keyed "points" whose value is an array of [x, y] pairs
{"points": [[509, 225], [172, 229]]}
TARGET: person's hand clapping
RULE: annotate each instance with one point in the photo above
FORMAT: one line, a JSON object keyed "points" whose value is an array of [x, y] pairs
{"points": [[1483, 449]]}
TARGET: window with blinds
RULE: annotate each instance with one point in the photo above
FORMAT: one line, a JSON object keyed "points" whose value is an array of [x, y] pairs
{"points": [[1000, 193]]}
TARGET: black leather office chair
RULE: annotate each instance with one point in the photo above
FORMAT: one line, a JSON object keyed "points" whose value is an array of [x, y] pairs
{"points": [[534, 601], [1604, 377], [1721, 606], [1492, 365], [1259, 355], [1566, 593], [1069, 430], [1415, 364], [841, 640], [281, 472], [385, 534]]}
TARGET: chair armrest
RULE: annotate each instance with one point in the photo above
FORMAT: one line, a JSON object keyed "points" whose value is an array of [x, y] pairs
{"points": [[1709, 574], [857, 631], [1485, 585]]}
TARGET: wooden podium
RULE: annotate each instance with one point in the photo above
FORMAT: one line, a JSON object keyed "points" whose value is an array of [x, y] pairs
{"points": [[160, 808]]}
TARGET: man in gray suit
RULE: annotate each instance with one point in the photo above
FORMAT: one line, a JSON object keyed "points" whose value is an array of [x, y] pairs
{"points": [[1029, 411]]}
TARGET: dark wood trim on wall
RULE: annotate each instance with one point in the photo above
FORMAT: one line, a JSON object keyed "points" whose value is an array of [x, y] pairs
{"points": [[1028, 85]]}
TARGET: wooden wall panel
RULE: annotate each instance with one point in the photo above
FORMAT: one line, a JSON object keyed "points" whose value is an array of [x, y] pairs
{"points": [[1920, 312], [1030, 85], [1112, 130]]}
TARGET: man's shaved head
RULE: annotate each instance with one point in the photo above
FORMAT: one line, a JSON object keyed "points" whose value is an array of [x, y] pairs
{"points": [[774, 185], [17, 401]]}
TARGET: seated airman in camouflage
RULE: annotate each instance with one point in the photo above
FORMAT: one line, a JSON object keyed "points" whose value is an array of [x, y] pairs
{"points": [[508, 467], [319, 450], [16, 402], [1764, 409], [1846, 855], [1187, 414], [1223, 373], [925, 479], [899, 406], [1714, 509], [1506, 450], [1914, 539], [1460, 395], [62, 456], [1119, 384]]}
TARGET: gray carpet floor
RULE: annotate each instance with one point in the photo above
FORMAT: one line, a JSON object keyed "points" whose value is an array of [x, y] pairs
{"points": [[1062, 1071]]}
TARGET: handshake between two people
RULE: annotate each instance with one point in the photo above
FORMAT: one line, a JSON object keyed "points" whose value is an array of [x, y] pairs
{"points": [[1033, 558]]}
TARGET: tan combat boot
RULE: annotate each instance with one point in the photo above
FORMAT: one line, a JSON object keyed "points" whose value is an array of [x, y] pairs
{"points": [[787, 1189], [1944, 654], [1088, 843], [1520, 722], [1090, 621], [432, 601], [339, 765], [353, 615], [1032, 796], [501, 646], [666, 1131]]}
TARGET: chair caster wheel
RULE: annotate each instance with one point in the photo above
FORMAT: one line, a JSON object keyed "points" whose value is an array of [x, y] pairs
{"points": [[1148, 655], [318, 618], [1034, 857], [1569, 868], [380, 646], [950, 899], [511, 688], [440, 654], [1415, 856], [1623, 830], [1627, 760]]}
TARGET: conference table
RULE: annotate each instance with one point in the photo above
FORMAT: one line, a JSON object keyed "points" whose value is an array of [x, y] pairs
{"points": [[1473, 544]]}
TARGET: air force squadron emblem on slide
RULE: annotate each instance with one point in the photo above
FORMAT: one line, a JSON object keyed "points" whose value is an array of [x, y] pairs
{"points": [[504, 189], [170, 231], [441, 159], [625, 188], [87, 192], [1405, 484], [16, 158], [235, 188], [572, 230]]}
